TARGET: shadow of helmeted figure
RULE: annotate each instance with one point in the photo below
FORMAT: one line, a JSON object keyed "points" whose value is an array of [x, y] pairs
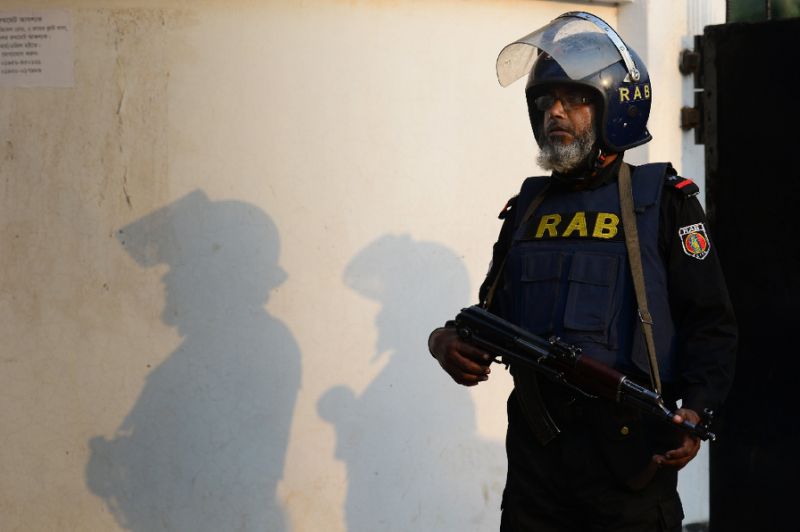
{"points": [[409, 442], [203, 448]]}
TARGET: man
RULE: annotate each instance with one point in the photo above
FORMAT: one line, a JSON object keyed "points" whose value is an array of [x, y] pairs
{"points": [[565, 265]]}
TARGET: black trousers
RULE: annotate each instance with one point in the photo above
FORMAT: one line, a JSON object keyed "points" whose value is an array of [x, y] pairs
{"points": [[569, 485]]}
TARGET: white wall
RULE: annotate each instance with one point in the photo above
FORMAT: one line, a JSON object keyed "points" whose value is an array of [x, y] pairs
{"points": [[223, 250]]}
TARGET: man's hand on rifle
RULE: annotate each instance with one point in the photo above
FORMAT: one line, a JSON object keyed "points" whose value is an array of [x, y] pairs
{"points": [[465, 363], [690, 445]]}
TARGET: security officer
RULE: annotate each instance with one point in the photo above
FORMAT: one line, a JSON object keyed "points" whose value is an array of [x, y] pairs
{"points": [[616, 260]]}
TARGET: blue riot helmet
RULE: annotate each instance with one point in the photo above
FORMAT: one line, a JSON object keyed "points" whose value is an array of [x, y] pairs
{"points": [[580, 49]]}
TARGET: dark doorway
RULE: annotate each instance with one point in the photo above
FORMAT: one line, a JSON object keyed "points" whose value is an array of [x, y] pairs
{"points": [[751, 122]]}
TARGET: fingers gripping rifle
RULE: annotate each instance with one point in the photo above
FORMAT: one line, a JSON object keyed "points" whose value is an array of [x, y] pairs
{"points": [[564, 364]]}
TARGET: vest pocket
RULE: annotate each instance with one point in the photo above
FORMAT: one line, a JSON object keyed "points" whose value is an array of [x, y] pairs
{"points": [[541, 279], [589, 307]]}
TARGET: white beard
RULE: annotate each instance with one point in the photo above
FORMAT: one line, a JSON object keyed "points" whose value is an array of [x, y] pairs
{"points": [[565, 158]]}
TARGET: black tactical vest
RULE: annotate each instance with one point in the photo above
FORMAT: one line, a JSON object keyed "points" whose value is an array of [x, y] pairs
{"points": [[567, 272]]}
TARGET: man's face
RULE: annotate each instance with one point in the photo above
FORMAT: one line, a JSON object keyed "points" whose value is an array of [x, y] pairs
{"points": [[568, 134], [568, 114]]}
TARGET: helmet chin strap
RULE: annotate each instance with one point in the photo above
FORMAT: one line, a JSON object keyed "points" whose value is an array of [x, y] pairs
{"points": [[599, 160]]}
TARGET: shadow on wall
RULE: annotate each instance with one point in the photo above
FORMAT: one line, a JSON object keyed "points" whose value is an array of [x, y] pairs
{"points": [[203, 448], [409, 442]]}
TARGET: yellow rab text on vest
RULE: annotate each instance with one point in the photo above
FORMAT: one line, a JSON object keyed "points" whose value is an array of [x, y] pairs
{"points": [[581, 224]]}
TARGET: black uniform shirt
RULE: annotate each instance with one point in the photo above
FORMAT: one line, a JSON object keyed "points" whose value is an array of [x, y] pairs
{"points": [[698, 298]]}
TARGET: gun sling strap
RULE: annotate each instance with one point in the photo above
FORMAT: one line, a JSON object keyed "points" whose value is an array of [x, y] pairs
{"points": [[634, 258], [637, 272]]}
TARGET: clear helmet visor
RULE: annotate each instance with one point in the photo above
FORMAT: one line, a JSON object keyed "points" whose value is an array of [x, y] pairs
{"points": [[580, 42]]}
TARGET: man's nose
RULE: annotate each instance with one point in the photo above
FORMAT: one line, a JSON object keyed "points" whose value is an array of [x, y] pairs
{"points": [[557, 109]]}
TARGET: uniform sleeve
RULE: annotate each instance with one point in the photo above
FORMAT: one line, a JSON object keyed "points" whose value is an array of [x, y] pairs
{"points": [[699, 302]]}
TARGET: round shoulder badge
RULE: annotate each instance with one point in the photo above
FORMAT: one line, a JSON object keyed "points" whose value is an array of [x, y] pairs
{"points": [[694, 240]]}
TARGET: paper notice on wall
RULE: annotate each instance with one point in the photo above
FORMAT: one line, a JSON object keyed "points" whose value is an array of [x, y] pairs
{"points": [[36, 49]]}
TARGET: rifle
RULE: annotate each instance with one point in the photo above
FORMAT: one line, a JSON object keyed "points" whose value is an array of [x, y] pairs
{"points": [[564, 364]]}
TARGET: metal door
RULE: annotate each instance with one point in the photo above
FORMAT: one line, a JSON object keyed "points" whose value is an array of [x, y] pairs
{"points": [[751, 124]]}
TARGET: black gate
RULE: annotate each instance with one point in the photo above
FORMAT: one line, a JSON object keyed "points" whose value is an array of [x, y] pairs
{"points": [[751, 124]]}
